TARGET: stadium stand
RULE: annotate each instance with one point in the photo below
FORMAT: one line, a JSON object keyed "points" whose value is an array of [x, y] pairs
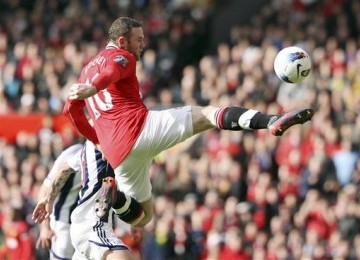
{"points": [[224, 195]]}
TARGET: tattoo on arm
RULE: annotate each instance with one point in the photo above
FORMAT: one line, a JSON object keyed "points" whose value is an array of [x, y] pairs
{"points": [[58, 183]]}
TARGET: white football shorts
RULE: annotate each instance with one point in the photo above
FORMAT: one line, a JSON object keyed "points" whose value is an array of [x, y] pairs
{"points": [[162, 130], [61, 247], [93, 239]]}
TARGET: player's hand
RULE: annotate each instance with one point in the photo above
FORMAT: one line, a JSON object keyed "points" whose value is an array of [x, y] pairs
{"points": [[42, 211], [44, 240], [81, 91]]}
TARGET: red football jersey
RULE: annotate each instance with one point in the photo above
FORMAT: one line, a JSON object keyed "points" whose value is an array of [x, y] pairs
{"points": [[117, 110]]}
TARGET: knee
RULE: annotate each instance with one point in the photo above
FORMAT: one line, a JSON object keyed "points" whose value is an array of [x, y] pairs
{"points": [[146, 215], [202, 118], [206, 111], [141, 222]]}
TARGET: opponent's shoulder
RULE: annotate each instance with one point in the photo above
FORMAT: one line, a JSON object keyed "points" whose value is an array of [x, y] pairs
{"points": [[70, 152]]}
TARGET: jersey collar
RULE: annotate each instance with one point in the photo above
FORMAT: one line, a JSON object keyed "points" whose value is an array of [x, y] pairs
{"points": [[111, 45]]}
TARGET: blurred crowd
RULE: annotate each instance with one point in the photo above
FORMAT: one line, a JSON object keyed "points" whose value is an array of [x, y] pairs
{"points": [[219, 195]]}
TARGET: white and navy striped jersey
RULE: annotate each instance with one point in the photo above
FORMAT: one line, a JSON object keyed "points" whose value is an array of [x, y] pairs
{"points": [[93, 170], [69, 194]]}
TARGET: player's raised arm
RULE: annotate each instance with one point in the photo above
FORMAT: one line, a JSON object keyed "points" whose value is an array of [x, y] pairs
{"points": [[45, 205]]}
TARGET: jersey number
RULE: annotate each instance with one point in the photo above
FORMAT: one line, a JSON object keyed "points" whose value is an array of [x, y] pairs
{"points": [[103, 105]]}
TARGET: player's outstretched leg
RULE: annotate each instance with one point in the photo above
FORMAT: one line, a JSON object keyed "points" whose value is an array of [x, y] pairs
{"points": [[125, 207], [278, 125], [240, 118]]}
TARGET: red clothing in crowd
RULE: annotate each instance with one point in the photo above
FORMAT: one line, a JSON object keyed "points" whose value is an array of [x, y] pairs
{"points": [[18, 242], [227, 253], [316, 221]]}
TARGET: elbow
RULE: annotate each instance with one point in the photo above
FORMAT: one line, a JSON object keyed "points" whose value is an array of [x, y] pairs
{"points": [[71, 108], [66, 111]]}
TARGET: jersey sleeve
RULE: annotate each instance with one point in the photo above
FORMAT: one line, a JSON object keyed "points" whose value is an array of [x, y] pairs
{"points": [[61, 161], [119, 67], [74, 110], [75, 162]]}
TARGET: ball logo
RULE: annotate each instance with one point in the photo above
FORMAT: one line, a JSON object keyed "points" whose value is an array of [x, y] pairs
{"points": [[298, 69], [304, 73], [297, 55]]}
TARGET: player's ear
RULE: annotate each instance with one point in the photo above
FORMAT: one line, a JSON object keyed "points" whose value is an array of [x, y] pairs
{"points": [[122, 42]]}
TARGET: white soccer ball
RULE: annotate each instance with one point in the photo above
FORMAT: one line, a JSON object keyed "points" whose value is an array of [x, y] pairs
{"points": [[292, 64]]}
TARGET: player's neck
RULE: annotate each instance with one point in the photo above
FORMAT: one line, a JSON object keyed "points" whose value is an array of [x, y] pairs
{"points": [[111, 45]]}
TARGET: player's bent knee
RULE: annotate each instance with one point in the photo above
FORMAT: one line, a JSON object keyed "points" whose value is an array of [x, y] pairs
{"points": [[142, 222], [136, 214], [144, 219], [147, 206], [117, 254]]}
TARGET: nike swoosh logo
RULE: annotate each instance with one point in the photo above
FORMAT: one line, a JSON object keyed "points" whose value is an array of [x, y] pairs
{"points": [[298, 69]]}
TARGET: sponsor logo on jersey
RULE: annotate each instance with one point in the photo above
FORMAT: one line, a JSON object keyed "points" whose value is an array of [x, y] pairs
{"points": [[121, 60]]}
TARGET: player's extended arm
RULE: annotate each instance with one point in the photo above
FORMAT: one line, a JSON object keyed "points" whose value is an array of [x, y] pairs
{"points": [[74, 110], [44, 207], [80, 91]]}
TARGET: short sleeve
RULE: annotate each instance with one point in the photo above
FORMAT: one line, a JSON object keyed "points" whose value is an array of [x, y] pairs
{"points": [[75, 162], [119, 66], [61, 161]]}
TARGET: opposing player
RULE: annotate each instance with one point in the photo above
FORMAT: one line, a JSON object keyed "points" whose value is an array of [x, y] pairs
{"points": [[91, 238], [130, 134], [55, 231]]}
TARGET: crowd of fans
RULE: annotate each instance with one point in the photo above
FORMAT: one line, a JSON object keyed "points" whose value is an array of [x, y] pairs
{"points": [[219, 195]]}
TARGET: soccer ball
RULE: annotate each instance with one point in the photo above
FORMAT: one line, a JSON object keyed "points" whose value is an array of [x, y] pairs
{"points": [[292, 64]]}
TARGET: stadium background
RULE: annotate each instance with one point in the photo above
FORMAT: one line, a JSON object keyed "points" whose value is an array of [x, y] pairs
{"points": [[221, 195]]}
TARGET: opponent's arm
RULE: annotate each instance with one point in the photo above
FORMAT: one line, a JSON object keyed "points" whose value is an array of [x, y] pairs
{"points": [[46, 232], [58, 183], [44, 207]]}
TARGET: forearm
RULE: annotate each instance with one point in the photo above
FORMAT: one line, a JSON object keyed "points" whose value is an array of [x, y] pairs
{"points": [[42, 192], [47, 197], [45, 225], [101, 81], [58, 183], [88, 91]]}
